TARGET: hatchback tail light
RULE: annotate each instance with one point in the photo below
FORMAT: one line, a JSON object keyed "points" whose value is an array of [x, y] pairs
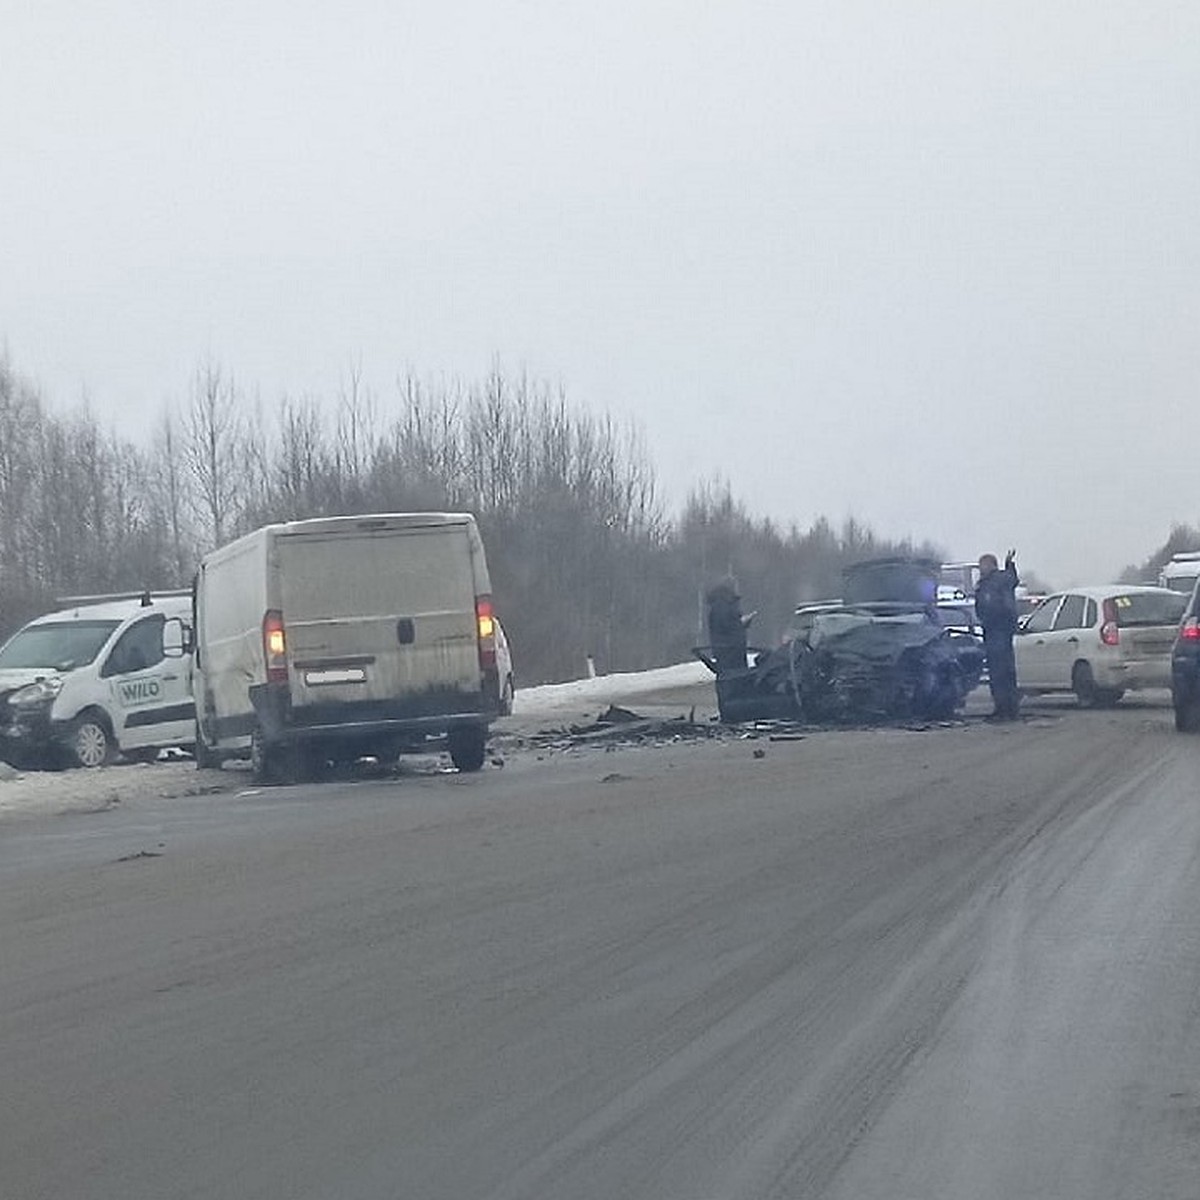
{"points": [[1189, 631], [1110, 633], [485, 622], [275, 647]]}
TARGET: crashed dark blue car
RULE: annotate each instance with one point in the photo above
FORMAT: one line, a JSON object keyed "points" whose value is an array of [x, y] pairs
{"points": [[881, 653]]}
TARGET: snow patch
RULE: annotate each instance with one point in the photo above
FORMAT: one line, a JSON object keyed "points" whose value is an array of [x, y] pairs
{"points": [[551, 698]]}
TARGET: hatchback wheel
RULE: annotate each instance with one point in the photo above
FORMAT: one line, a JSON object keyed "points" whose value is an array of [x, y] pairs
{"points": [[1083, 684]]}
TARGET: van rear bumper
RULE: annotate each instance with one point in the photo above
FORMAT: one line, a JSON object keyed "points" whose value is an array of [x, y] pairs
{"points": [[429, 713]]}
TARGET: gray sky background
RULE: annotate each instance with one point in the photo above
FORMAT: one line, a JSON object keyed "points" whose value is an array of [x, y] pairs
{"points": [[936, 265]]}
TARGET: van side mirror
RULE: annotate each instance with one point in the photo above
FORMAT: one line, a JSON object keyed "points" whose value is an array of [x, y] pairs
{"points": [[177, 638]]}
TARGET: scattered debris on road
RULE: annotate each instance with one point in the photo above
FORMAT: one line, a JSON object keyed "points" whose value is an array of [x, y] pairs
{"points": [[621, 727]]}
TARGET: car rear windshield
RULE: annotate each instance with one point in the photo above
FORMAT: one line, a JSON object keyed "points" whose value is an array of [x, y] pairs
{"points": [[59, 646], [1150, 608]]}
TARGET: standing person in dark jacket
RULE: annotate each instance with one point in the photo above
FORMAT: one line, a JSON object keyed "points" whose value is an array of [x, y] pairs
{"points": [[996, 610], [727, 626]]}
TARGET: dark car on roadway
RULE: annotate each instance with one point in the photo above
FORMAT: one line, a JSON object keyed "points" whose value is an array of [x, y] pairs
{"points": [[1185, 668]]}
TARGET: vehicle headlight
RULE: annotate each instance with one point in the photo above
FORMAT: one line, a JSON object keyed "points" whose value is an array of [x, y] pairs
{"points": [[34, 694]]}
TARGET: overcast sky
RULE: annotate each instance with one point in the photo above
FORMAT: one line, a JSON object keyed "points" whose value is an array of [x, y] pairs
{"points": [[936, 265]]}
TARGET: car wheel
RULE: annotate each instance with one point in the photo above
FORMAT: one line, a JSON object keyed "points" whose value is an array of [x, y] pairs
{"points": [[1083, 684], [506, 697], [1187, 716], [89, 742], [467, 745]]}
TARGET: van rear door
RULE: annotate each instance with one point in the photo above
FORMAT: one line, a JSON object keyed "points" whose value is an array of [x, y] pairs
{"points": [[375, 611]]}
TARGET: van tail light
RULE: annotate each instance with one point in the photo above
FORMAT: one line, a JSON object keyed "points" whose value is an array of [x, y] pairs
{"points": [[1110, 633], [275, 647], [1189, 631], [485, 623]]}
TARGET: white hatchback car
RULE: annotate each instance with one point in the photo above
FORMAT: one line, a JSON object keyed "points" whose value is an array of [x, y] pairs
{"points": [[1099, 642]]}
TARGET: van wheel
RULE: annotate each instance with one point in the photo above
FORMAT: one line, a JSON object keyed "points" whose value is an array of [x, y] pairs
{"points": [[1083, 684], [89, 743], [467, 745], [308, 763], [264, 759], [206, 757]]}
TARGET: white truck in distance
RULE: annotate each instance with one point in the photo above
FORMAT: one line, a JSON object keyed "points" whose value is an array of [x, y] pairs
{"points": [[1181, 573], [332, 639]]}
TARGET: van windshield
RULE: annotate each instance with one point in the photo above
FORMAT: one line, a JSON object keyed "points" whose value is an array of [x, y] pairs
{"points": [[57, 645], [1180, 583]]}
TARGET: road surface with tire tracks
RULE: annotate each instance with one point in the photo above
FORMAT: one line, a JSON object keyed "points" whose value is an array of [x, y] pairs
{"points": [[957, 963]]}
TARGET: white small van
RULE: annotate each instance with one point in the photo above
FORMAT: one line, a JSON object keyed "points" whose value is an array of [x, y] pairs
{"points": [[98, 679], [336, 638], [1181, 573]]}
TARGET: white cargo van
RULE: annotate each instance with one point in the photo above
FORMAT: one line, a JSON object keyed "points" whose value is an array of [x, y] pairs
{"points": [[1181, 572], [81, 685], [335, 638]]}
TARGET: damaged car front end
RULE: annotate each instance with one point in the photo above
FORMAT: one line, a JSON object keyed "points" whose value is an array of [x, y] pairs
{"points": [[879, 654], [27, 732]]}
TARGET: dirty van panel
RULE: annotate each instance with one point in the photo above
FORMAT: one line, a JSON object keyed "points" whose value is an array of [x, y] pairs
{"points": [[379, 615]]}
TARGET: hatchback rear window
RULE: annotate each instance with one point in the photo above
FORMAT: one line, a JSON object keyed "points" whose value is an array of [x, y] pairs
{"points": [[1150, 608]]}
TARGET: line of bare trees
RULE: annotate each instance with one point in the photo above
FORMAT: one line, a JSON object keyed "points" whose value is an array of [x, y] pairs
{"points": [[584, 559], [1182, 538]]}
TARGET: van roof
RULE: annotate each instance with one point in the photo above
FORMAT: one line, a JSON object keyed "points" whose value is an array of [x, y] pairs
{"points": [[371, 521], [366, 522], [116, 610]]}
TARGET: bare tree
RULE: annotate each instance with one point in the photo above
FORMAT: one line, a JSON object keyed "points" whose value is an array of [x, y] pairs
{"points": [[355, 435], [170, 483], [211, 452]]}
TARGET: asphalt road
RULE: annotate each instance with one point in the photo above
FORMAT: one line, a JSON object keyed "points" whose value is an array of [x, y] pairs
{"points": [[961, 963]]}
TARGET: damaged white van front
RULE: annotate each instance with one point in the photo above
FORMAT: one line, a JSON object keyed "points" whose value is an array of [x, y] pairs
{"points": [[101, 678]]}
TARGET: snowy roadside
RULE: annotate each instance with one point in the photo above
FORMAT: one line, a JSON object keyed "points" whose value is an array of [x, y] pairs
{"points": [[52, 793], [557, 699]]}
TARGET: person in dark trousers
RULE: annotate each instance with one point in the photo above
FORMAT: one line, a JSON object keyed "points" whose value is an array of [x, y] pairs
{"points": [[996, 611]]}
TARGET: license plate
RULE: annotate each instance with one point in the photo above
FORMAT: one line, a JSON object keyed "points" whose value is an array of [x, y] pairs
{"points": [[332, 677]]}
